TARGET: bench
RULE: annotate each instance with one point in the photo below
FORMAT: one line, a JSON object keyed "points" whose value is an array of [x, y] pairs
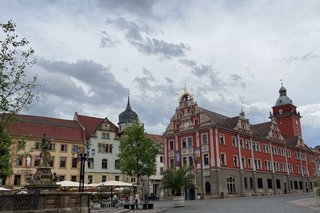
{"points": [[140, 206]]}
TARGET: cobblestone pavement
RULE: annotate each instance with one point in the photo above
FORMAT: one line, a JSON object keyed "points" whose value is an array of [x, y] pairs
{"points": [[297, 203]]}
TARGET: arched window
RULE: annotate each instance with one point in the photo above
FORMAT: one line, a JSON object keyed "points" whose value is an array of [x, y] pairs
{"points": [[104, 164], [208, 187], [231, 185]]}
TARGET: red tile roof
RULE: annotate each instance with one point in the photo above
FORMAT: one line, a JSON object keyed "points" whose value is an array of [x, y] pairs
{"points": [[90, 124], [36, 126], [156, 138]]}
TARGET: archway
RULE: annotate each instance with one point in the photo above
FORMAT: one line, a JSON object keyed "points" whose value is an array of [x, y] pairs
{"points": [[208, 187]]}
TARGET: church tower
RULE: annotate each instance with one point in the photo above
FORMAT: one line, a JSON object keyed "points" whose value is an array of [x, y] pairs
{"points": [[127, 117], [286, 115]]}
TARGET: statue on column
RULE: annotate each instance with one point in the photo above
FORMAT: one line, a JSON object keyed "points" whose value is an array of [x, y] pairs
{"points": [[45, 154]]}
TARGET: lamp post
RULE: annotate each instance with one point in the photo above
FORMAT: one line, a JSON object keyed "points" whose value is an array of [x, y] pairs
{"points": [[82, 156]]}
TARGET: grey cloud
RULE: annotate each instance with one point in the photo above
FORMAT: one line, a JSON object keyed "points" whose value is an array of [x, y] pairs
{"points": [[99, 81], [140, 36], [169, 80], [235, 77], [137, 7], [145, 81], [303, 58], [204, 70], [107, 40], [188, 62], [238, 79]]}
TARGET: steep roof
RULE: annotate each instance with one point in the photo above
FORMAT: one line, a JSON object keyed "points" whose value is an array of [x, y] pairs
{"points": [[90, 124], [216, 117], [262, 129], [156, 138], [36, 126], [232, 122]]}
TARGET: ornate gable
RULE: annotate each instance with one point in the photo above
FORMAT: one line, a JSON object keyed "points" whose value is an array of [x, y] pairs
{"points": [[274, 132], [243, 123]]}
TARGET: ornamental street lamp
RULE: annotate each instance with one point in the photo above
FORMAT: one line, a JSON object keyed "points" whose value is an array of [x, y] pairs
{"points": [[82, 157]]}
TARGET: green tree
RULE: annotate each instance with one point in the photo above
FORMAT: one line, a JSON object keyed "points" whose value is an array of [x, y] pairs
{"points": [[137, 155], [178, 180], [17, 90]]}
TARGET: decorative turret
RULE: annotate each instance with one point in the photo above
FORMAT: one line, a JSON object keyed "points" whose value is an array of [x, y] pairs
{"points": [[283, 98], [286, 115], [127, 117]]}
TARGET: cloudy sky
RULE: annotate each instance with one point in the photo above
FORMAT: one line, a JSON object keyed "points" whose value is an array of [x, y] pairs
{"points": [[230, 54]]}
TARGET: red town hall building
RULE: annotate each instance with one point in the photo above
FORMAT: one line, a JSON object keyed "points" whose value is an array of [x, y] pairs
{"points": [[232, 157]]}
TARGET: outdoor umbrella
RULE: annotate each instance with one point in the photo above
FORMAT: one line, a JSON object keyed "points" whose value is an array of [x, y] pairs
{"points": [[113, 184], [66, 185]]}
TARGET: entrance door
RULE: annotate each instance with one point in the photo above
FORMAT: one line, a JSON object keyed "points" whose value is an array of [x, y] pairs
{"points": [[285, 188]]}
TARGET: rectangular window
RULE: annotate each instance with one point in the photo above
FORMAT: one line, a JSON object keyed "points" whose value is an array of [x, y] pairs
{"points": [[74, 162], [184, 143], [206, 159], [17, 179], [235, 161], [296, 184], [75, 149], [269, 181], [243, 161], [184, 160], [222, 141], [189, 142], [171, 163], [251, 182], [249, 163], [260, 183], [234, 142], [90, 179], [19, 161], [190, 161], [223, 159], [62, 162], [37, 160], [300, 185], [117, 178], [245, 182], [161, 159], [241, 144], [90, 163], [117, 164], [267, 165], [64, 148], [74, 178], [161, 170], [103, 178], [204, 139], [104, 164], [248, 145], [171, 145], [288, 153], [278, 183], [196, 122], [52, 147], [105, 136]]}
